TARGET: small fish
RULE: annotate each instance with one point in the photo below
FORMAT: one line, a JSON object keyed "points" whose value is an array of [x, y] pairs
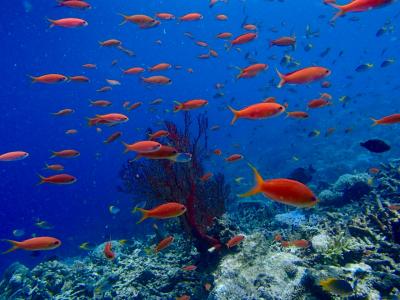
{"points": [[68, 22], [143, 146], [14, 155], [189, 268], [257, 111], [296, 243], [234, 241], [364, 67], [18, 232], [68, 153], [217, 152], [337, 286], [71, 131], [183, 157], [85, 246], [189, 105], [314, 133], [122, 242], [113, 137], [164, 244], [375, 146], [113, 210], [163, 211], [387, 62], [206, 176], [58, 179], [234, 157], [43, 224], [34, 244], [388, 120], [108, 119], [108, 253], [63, 112], [79, 78]]}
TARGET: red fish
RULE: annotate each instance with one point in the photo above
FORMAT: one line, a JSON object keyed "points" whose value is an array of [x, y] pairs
{"points": [[63, 112], [357, 6], [257, 111], [143, 147], [388, 120], [55, 167], [34, 244], [318, 103], [68, 22], [303, 76], [191, 17], [297, 114], [58, 179], [158, 79], [296, 243], [206, 176], [163, 211], [286, 191], [284, 42], [165, 16], [108, 253], [108, 119], [164, 244], [160, 67], [13, 156], [79, 78], [134, 105], [100, 103], [235, 241], [234, 157], [244, 38], [158, 134], [224, 35], [189, 268], [110, 43], [133, 70], [113, 137], [75, 4], [251, 71], [49, 78], [190, 104], [69, 153]]}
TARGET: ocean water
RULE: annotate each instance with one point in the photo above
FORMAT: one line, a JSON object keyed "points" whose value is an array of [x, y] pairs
{"points": [[79, 212]]}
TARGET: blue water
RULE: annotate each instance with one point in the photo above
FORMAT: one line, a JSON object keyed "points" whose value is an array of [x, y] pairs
{"points": [[79, 212]]}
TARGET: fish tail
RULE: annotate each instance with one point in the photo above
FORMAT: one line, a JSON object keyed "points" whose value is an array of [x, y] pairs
{"points": [[258, 183], [126, 150], [178, 106], [33, 78], [42, 180], [271, 43], [91, 121], [125, 19], [13, 248], [235, 115], [144, 212], [340, 13], [51, 22], [375, 122], [281, 77]]}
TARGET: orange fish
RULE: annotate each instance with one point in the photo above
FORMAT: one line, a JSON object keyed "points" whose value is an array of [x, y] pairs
{"points": [[158, 134], [257, 111], [49, 78], [100, 103], [234, 241], [213, 53], [243, 39], [55, 167], [189, 268], [201, 44], [234, 157], [190, 104], [89, 66], [318, 103], [284, 42], [34, 244], [278, 238], [296, 243], [206, 176], [251, 71], [388, 120], [63, 112], [224, 35], [326, 84], [68, 23], [104, 89], [326, 96], [191, 17], [113, 137], [165, 16], [110, 43], [133, 70], [142, 146], [163, 211], [303, 76], [58, 179], [71, 131], [165, 152], [66, 153], [164, 244], [13, 156], [141, 20], [113, 82], [79, 78], [108, 253], [250, 27], [286, 191], [297, 114], [221, 17], [357, 6], [160, 67], [75, 4], [134, 106], [108, 119], [217, 152], [161, 80]]}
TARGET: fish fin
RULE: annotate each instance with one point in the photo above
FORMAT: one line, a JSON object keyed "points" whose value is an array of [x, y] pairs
{"points": [[51, 22], [91, 121], [258, 183], [178, 106], [281, 77], [340, 13], [53, 154], [126, 147], [33, 78], [235, 115], [144, 212], [13, 248], [375, 122], [125, 19], [42, 179]]}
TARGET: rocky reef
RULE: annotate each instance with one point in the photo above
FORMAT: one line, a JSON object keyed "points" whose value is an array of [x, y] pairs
{"points": [[352, 235]]}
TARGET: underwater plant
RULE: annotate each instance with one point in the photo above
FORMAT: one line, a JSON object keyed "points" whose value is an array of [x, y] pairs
{"points": [[160, 181]]}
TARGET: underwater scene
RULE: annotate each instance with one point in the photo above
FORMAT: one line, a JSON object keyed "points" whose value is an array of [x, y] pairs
{"points": [[200, 149]]}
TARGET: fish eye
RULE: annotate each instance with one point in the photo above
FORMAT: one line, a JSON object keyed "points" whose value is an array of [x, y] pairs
{"points": [[327, 71], [56, 242], [280, 108]]}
